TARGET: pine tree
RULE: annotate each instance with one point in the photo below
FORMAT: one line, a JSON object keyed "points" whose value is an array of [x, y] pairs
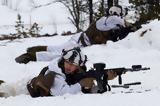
{"points": [[148, 9], [24, 33], [34, 30], [20, 28]]}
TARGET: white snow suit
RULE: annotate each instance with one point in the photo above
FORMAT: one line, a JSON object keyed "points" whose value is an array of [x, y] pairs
{"points": [[60, 86], [110, 22], [55, 51]]}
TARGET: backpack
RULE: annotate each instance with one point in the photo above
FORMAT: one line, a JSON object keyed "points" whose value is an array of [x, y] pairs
{"points": [[40, 85]]}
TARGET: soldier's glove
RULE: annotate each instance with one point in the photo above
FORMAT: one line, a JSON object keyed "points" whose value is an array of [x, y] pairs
{"points": [[25, 58], [111, 75], [87, 84], [35, 49]]}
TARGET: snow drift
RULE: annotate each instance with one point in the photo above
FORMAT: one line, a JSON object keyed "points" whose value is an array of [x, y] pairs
{"points": [[134, 49]]}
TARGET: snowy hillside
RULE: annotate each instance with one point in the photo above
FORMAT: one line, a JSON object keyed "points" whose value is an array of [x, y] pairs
{"points": [[134, 49], [141, 47], [52, 18]]}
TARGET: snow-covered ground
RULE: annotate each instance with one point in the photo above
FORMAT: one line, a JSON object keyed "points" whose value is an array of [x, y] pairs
{"points": [[131, 50], [51, 18]]}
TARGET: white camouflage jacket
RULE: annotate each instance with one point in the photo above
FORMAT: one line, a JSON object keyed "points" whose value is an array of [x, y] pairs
{"points": [[60, 86], [55, 51]]}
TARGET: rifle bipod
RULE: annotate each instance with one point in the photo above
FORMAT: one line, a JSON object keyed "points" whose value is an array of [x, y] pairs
{"points": [[126, 85]]}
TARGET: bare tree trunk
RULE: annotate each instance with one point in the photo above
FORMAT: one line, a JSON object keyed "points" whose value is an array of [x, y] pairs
{"points": [[90, 11], [110, 3], [102, 4], [76, 9], [116, 2], [4, 2]]}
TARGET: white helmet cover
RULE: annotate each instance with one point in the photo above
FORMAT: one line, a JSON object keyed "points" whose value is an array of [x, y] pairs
{"points": [[115, 10], [75, 56]]}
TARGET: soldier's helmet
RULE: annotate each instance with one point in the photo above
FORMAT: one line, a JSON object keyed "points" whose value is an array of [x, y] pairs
{"points": [[115, 10], [74, 56]]}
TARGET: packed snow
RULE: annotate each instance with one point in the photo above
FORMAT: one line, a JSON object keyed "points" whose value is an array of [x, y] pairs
{"points": [[140, 47], [134, 49], [51, 18]]}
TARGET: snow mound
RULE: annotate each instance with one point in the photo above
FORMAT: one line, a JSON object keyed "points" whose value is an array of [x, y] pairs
{"points": [[145, 38]]}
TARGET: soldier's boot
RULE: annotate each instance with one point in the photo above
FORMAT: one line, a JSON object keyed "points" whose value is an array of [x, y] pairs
{"points": [[1, 93], [25, 58], [30, 55]]}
